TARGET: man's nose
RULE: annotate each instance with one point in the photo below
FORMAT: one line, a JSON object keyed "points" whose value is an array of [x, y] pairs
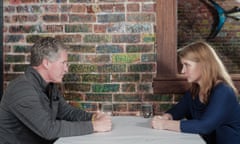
{"points": [[66, 68]]}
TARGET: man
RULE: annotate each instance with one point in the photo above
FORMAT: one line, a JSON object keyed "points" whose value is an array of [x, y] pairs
{"points": [[32, 109]]}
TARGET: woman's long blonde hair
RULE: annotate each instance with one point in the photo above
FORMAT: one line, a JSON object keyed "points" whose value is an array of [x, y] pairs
{"points": [[213, 69]]}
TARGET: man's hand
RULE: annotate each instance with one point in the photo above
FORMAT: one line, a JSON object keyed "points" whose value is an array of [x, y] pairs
{"points": [[101, 122]]}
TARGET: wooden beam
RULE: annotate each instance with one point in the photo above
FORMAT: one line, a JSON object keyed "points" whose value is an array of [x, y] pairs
{"points": [[166, 35]]}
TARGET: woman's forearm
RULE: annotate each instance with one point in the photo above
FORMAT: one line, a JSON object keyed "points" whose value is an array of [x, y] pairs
{"points": [[165, 123], [172, 125]]}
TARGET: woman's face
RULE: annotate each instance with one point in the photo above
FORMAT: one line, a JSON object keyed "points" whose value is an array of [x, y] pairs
{"points": [[191, 70]]}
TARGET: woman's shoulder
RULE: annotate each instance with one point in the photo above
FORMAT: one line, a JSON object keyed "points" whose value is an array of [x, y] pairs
{"points": [[224, 90], [221, 86]]}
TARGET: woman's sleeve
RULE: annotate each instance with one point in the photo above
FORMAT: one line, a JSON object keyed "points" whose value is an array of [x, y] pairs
{"points": [[221, 103], [181, 109]]}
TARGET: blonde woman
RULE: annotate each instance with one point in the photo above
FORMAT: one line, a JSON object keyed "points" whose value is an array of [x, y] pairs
{"points": [[210, 107]]}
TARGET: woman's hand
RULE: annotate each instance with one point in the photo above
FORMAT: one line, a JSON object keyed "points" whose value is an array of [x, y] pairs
{"points": [[158, 122], [165, 122]]}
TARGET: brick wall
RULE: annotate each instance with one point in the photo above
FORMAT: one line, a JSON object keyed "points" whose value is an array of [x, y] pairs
{"points": [[112, 46], [196, 19]]}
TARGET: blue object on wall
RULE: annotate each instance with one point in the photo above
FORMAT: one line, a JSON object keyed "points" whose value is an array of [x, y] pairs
{"points": [[222, 16]]}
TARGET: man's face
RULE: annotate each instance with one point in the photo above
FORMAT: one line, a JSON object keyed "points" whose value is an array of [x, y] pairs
{"points": [[58, 68]]}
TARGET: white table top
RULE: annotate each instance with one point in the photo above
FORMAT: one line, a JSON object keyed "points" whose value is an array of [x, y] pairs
{"points": [[133, 130]]}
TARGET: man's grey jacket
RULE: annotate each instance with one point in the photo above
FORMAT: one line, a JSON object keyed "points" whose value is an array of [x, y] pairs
{"points": [[28, 115]]}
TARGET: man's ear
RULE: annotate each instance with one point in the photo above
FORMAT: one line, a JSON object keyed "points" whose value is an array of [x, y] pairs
{"points": [[45, 63]]}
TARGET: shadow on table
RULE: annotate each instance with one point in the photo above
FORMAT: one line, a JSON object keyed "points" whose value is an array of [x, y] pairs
{"points": [[144, 124]]}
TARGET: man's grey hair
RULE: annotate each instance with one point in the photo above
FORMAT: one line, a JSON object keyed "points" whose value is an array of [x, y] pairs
{"points": [[46, 48]]}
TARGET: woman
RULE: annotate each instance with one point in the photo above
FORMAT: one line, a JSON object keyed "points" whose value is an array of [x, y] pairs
{"points": [[210, 107]]}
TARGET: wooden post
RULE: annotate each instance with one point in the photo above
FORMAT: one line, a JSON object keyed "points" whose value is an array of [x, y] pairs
{"points": [[166, 35], [167, 80]]}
